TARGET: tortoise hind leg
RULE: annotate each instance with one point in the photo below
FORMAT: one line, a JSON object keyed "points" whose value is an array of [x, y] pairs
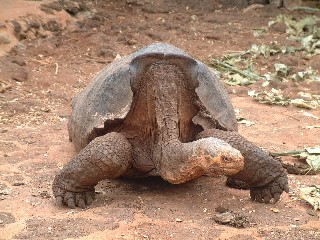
{"points": [[105, 157], [265, 176]]}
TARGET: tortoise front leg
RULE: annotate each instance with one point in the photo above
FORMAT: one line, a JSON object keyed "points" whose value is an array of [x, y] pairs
{"points": [[265, 176], [105, 157]]}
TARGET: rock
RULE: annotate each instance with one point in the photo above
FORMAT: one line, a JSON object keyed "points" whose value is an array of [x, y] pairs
{"points": [[135, 2], [264, 2], [3, 130], [4, 38], [30, 35], [71, 7], [16, 25], [4, 190], [6, 218], [49, 7], [17, 184], [276, 3], [232, 219], [4, 86], [2, 25], [52, 26], [18, 48], [226, 217], [242, 237], [129, 40], [34, 23], [223, 218], [154, 36], [289, 60], [20, 75], [290, 4], [314, 62], [231, 3], [107, 52], [252, 7], [19, 61], [279, 27], [19, 29]]}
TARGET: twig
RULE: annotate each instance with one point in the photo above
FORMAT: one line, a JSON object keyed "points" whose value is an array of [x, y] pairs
{"points": [[287, 153], [234, 69], [306, 9], [4, 85], [252, 7], [234, 54], [57, 69]]}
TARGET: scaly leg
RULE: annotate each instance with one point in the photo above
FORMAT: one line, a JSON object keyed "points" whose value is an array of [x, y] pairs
{"points": [[265, 176], [106, 157]]}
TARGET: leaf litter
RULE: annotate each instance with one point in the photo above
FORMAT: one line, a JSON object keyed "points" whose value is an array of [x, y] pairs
{"points": [[238, 68], [311, 195], [311, 155]]}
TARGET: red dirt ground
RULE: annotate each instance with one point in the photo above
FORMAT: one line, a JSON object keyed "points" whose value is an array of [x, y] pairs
{"points": [[53, 62]]}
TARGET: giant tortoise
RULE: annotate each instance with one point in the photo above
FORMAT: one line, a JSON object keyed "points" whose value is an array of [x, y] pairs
{"points": [[160, 112]]}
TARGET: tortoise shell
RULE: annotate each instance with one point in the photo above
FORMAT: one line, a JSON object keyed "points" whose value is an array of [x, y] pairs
{"points": [[110, 99]]}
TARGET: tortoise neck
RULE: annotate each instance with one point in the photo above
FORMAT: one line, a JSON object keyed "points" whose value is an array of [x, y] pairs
{"points": [[164, 82]]}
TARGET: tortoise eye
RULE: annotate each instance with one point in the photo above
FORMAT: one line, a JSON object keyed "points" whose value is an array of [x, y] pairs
{"points": [[226, 159]]}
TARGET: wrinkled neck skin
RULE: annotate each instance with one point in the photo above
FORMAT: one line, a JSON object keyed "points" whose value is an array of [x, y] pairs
{"points": [[163, 132], [164, 84], [165, 87], [162, 112]]}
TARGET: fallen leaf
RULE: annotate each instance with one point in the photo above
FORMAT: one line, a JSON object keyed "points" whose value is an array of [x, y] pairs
{"points": [[314, 162], [310, 154], [242, 120], [311, 195], [259, 32], [312, 127], [275, 210], [281, 69], [237, 79], [309, 115], [299, 102], [313, 150]]}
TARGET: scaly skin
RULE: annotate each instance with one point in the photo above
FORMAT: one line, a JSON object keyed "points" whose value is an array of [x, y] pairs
{"points": [[265, 176], [110, 156], [182, 162], [105, 157], [159, 128]]}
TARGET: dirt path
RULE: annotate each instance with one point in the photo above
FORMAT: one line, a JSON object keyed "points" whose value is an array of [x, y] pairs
{"points": [[57, 56]]}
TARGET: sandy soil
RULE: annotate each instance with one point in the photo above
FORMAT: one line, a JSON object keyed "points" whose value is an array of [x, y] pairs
{"points": [[58, 53]]}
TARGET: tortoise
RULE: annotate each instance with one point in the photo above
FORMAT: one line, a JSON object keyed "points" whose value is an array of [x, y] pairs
{"points": [[159, 112]]}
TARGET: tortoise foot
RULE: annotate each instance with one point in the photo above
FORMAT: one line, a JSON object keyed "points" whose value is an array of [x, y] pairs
{"points": [[273, 190], [74, 199], [237, 184]]}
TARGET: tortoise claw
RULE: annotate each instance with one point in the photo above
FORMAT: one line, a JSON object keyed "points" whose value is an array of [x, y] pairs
{"points": [[71, 203], [81, 203], [59, 201], [75, 199], [89, 197]]}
